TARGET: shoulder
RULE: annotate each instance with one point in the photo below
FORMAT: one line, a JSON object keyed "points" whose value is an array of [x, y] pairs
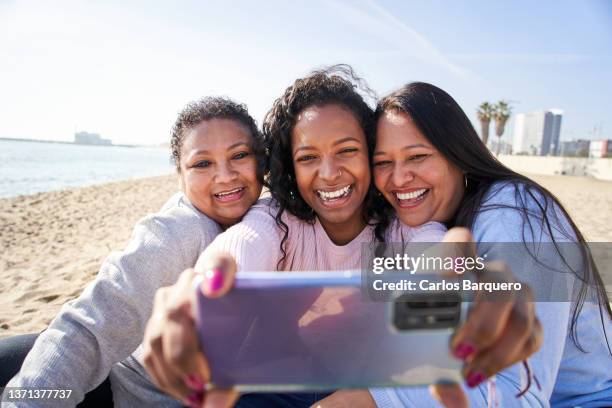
{"points": [[429, 232], [258, 223], [519, 196], [514, 193], [515, 211], [253, 242], [266, 211], [264, 205], [178, 218]]}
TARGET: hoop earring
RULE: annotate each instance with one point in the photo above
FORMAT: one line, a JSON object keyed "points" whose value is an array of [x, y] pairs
{"points": [[465, 180]]}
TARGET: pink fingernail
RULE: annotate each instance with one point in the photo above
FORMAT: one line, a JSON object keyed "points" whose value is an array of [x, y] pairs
{"points": [[194, 382], [195, 399], [474, 378], [214, 279], [464, 350]]}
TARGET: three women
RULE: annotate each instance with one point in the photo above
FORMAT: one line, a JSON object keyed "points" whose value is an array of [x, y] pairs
{"points": [[317, 135]]}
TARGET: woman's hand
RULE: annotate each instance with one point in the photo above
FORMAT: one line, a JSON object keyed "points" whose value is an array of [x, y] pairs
{"points": [[497, 333], [172, 354]]}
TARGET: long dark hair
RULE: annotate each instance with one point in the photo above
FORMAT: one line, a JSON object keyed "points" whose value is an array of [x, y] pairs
{"points": [[337, 84], [442, 121]]}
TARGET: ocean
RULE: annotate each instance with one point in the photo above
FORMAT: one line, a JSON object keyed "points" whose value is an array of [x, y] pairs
{"points": [[32, 167]]}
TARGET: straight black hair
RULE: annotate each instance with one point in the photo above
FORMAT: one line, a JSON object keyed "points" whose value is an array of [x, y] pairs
{"points": [[442, 121]]}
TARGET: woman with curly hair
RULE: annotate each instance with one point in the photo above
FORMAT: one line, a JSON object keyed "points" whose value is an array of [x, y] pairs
{"points": [[220, 158], [320, 139]]}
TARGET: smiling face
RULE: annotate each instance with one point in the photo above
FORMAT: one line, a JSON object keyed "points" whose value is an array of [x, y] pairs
{"points": [[418, 181], [330, 158], [218, 170]]}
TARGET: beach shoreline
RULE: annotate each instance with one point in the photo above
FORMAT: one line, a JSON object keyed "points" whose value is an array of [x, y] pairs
{"points": [[53, 243], [29, 167]]}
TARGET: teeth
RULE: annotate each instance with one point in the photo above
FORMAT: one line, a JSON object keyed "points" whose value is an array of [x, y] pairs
{"points": [[229, 192], [411, 195], [330, 195]]}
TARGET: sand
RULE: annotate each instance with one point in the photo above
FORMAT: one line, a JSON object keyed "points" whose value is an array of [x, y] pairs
{"points": [[588, 201], [53, 243]]}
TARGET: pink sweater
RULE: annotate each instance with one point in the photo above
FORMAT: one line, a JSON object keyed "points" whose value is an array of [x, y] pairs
{"points": [[255, 242]]}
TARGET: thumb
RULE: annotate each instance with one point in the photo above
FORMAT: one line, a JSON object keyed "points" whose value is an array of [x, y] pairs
{"points": [[464, 240], [218, 271], [458, 242]]}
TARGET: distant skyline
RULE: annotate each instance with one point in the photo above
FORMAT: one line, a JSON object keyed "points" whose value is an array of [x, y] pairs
{"points": [[125, 70]]}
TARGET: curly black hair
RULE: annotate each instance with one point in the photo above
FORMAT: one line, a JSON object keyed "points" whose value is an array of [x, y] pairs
{"points": [[337, 84], [216, 107]]}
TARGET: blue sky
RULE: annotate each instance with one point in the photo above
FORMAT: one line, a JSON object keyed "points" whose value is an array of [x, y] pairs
{"points": [[124, 69]]}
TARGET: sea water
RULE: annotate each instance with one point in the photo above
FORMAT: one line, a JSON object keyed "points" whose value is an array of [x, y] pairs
{"points": [[32, 167]]}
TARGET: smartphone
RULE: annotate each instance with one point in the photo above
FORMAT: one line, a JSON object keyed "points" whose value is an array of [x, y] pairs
{"points": [[307, 331]]}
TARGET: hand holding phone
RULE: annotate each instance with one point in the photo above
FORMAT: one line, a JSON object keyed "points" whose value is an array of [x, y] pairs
{"points": [[171, 351]]}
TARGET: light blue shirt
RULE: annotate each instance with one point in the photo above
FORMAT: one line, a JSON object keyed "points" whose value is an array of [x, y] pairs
{"points": [[568, 376]]}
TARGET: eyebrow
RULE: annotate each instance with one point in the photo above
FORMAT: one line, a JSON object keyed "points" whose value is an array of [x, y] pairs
{"points": [[337, 142], [412, 146], [197, 152]]}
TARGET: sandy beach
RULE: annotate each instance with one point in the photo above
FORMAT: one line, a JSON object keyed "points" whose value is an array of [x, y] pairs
{"points": [[53, 243]]}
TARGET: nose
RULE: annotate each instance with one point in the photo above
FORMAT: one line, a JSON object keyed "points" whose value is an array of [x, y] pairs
{"points": [[329, 170], [401, 176], [225, 173]]}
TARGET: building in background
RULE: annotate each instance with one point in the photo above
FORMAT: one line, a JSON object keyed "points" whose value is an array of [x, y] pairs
{"points": [[600, 148], [91, 139], [504, 147], [537, 133], [575, 148]]}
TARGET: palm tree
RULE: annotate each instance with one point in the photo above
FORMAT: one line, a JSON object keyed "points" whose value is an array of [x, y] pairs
{"points": [[501, 113], [485, 113]]}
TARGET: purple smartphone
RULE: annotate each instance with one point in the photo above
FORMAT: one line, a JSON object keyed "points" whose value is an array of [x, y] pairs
{"points": [[298, 331]]}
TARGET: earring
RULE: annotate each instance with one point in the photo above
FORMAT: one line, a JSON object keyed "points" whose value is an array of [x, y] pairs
{"points": [[465, 180], [339, 173]]}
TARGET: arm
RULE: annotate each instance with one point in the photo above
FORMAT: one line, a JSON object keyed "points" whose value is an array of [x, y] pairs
{"points": [[254, 243], [106, 323], [172, 353], [491, 229]]}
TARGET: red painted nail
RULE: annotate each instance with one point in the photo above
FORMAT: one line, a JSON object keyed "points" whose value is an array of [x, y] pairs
{"points": [[195, 399], [474, 378], [214, 279], [464, 350], [194, 382]]}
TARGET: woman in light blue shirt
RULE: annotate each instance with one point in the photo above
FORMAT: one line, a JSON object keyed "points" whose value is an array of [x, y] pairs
{"points": [[430, 165]]}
